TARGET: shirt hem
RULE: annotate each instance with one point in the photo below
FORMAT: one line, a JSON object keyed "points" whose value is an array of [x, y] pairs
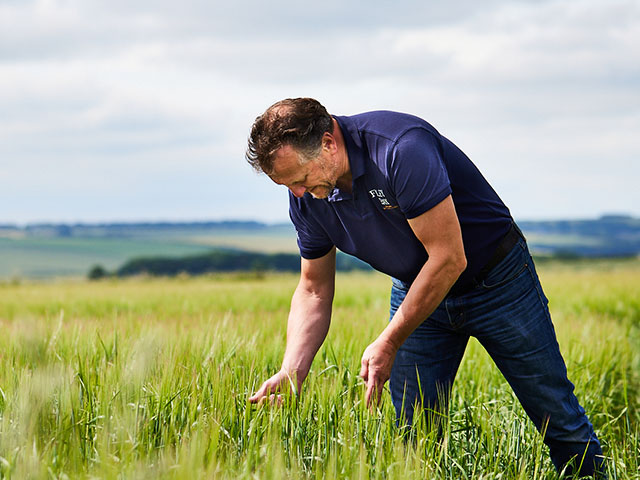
{"points": [[312, 255]]}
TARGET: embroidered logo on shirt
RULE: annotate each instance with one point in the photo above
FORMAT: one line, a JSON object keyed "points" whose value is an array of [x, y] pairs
{"points": [[379, 194]]}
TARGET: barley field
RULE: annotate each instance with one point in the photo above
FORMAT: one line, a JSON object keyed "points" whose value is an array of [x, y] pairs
{"points": [[149, 378]]}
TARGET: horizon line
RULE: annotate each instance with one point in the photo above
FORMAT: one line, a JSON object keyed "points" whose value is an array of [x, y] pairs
{"points": [[102, 223]]}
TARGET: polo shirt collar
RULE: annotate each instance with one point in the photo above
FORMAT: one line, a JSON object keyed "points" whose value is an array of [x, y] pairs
{"points": [[355, 152]]}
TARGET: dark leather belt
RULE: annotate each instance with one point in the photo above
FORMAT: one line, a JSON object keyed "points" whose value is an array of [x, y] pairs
{"points": [[504, 247]]}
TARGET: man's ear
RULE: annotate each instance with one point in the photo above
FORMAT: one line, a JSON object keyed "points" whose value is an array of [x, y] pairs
{"points": [[329, 142]]}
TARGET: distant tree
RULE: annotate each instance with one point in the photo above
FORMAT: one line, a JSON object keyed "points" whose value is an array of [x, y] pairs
{"points": [[226, 261], [64, 231], [97, 272]]}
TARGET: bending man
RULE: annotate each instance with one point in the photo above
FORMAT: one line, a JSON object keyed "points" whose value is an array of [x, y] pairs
{"points": [[389, 189]]}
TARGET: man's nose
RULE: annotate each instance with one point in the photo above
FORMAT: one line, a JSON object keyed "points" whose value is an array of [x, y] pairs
{"points": [[298, 190]]}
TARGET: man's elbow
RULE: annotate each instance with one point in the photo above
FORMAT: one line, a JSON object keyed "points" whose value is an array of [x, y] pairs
{"points": [[317, 290], [459, 264]]}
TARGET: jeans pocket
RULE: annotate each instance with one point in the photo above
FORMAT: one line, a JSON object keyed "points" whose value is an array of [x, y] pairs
{"points": [[509, 269]]}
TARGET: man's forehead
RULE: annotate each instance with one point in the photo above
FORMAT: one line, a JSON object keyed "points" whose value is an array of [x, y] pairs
{"points": [[286, 166], [286, 162], [285, 151]]}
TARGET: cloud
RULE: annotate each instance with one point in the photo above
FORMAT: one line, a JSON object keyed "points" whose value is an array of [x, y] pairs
{"points": [[150, 94]]}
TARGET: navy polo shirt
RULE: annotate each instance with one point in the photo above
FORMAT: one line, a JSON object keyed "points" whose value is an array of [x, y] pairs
{"points": [[401, 167]]}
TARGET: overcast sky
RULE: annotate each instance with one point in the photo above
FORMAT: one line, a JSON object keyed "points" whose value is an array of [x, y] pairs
{"points": [[126, 110]]}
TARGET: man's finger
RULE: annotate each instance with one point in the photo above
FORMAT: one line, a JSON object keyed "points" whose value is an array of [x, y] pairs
{"points": [[262, 392], [370, 391], [374, 391], [257, 396], [378, 393], [364, 371], [272, 399]]}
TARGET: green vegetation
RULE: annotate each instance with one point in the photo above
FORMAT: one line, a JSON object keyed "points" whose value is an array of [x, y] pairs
{"points": [[60, 250], [41, 258], [607, 236], [144, 377], [40, 253], [222, 261]]}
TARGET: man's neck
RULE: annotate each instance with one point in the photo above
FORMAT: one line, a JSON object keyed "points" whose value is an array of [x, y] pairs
{"points": [[344, 182]]}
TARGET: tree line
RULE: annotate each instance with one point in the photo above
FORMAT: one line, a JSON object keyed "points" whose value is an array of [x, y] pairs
{"points": [[218, 261]]}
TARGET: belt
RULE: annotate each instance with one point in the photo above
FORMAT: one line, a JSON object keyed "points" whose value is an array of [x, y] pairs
{"points": [[504, 247]]}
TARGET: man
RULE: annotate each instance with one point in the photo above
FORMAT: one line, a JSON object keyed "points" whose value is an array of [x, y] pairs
{"points": [[389, 189]]}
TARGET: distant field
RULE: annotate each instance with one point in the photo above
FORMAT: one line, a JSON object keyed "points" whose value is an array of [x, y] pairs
{"points": [[57, 257], [24, 256], [267, 243], [149, 378], [49, 251], [550, 240]]}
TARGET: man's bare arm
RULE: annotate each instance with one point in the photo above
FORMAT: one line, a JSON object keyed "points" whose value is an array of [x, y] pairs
{"points": [[439, 231], [307, 327]]}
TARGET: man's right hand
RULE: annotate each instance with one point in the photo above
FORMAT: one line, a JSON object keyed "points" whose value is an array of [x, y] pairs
{"points": [[307, 328], [281, 383]]}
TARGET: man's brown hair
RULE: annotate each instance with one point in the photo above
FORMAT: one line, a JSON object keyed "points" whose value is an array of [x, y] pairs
{"points": [[298, 122]]}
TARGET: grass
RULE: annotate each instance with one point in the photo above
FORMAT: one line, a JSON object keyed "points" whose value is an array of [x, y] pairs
{"points": [[149, 378]]}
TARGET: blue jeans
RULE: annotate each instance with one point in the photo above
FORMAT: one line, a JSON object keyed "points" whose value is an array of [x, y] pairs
{"points": [[507, 312]]}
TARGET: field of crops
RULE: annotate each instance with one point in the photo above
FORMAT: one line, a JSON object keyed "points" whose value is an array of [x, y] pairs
{"points": [[149, 378]]}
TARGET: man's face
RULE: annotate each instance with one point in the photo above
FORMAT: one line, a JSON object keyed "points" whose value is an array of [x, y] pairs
{"points": [[317, 176]]}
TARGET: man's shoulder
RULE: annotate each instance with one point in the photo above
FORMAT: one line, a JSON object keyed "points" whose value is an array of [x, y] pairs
{"points": [[387, 124]]}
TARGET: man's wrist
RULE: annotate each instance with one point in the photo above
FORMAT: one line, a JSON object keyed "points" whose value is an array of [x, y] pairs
{"points": [[388, 337], [294, 373]]}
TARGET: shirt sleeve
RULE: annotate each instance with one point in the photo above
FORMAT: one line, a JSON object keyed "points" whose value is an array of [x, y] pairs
{"points": [[313, 241], [417, 173]]}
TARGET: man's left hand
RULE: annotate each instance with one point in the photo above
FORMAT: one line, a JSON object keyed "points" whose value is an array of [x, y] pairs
{"points": [[377, 361]]}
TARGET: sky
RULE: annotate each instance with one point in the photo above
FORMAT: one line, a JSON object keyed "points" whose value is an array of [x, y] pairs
{"points": [[139, 111]]}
